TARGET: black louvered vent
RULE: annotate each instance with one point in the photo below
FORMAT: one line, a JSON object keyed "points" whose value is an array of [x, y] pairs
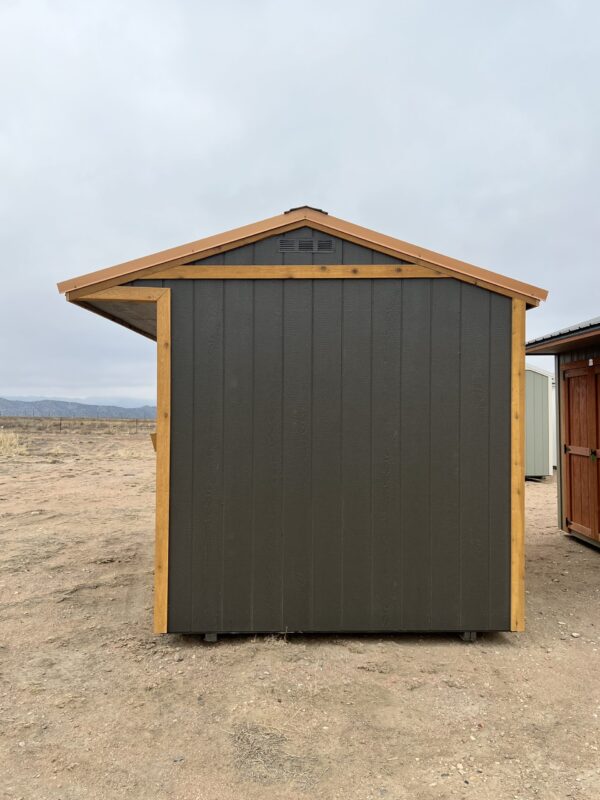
{"points": [[306, 245], [325, 245]]}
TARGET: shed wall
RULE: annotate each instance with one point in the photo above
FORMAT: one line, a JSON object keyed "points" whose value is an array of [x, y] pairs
{"points": [[340, 456]]}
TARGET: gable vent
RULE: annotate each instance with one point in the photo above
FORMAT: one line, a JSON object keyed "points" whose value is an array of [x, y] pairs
{"points": [[325, 245], [306, 245]]}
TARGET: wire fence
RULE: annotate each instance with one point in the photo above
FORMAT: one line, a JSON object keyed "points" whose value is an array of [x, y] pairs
{"points": [[72, 424]]}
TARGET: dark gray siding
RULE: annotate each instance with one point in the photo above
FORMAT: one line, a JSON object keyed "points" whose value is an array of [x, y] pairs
{"points": [[266, 251], [340, 456]]}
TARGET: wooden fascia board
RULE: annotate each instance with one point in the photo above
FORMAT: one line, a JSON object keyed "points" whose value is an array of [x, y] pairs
{"points": [[203, 248], [419, 255], [427, 258], [549, 347]]}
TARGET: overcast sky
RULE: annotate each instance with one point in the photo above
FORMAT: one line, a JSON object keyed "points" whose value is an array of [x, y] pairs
{"points": [[467, 127]]}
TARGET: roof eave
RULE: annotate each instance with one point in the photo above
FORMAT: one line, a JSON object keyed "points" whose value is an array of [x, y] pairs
{"points": [[559, 344]]}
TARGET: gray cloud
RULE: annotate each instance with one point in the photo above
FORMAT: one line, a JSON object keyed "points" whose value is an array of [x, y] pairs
{"points": [[467, 127]]}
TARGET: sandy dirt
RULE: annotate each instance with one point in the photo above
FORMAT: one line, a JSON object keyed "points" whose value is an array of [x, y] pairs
{"points": [[93, 705]]}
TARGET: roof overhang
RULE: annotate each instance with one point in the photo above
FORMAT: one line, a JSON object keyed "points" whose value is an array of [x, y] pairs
{"points": [[553, 345], [144, 268]]}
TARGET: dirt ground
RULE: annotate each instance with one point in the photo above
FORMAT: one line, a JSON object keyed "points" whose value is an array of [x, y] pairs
{"points": [[93, 705]]}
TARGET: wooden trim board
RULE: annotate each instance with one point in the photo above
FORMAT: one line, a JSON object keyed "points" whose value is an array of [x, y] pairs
{"points": [[313, 271], [298, 271], [517, 527], [162, 298], [163, 461]]}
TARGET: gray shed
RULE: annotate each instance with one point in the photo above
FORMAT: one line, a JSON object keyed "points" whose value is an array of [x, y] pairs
{"points": [[340, 430], [540, 423]]}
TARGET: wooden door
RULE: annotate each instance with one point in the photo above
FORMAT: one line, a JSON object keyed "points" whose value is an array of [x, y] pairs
{"points": [[581, 449], [595, 456]]}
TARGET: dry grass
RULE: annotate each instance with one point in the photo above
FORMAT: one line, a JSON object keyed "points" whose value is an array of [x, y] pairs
{"points": [[11, 444], [261, 755], [77, 425]]}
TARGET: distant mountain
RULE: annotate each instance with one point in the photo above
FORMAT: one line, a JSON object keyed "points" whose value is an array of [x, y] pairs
{"points": [[114, 400], [67, 408]]}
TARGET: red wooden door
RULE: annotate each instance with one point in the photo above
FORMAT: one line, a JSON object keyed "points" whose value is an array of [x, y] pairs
{"points": [[595, 459], [581, 448]]}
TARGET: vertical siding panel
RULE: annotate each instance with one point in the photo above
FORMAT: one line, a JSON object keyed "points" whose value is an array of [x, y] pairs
{"points": [[544, 416], [207, 553], [499, 475], [355, 254], [241, 255], [414, 438], [237, 456], [181, 472], [475, 457], [217, 259], [267, 468], [382, 258], [530, 433], [543, 426], [297, 386], [444, 450], [356, 455], [386, 402], [266, 251], [539, 427], [326, 456]]}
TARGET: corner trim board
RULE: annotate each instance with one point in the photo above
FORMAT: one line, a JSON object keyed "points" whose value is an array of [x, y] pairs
{"points": [[517, 527], [162, 299]]}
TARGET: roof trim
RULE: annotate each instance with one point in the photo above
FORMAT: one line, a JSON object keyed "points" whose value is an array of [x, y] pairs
{"points": [[556, 342], [202, 248]]}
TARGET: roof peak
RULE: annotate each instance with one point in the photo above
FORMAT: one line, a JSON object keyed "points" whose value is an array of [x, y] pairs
{"points": [[300, 208]]}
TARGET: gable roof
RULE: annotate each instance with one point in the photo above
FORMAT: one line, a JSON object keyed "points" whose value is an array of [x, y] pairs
{"points": [[289, 220]]}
